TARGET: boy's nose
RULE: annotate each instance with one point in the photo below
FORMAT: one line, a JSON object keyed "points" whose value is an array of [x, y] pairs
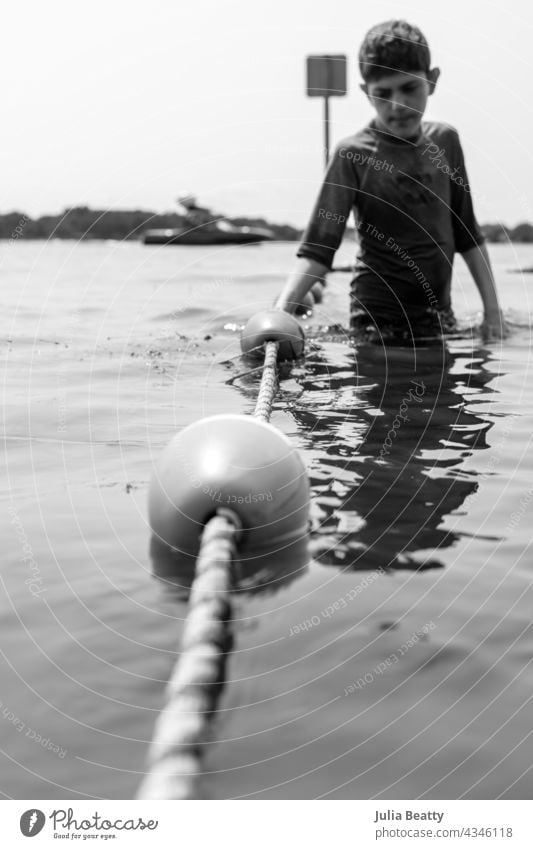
{"points": [[397, 105]]}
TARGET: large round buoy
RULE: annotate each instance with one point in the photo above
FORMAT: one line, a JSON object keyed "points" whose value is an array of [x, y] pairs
{"points": [[273, 325], [236, 462]]}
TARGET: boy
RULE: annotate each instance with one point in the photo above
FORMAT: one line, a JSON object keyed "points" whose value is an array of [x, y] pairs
{"points": [[407, 183]]}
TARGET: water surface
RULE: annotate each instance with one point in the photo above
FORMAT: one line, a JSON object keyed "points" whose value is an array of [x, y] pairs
{"points": [[397, 664]]}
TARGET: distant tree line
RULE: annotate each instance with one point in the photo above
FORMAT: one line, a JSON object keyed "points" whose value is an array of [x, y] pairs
{"points": [[80, 222], [83, 223], [500, 233]]}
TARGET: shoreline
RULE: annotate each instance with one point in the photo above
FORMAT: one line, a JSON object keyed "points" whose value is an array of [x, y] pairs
{"points": [[83, 223]]}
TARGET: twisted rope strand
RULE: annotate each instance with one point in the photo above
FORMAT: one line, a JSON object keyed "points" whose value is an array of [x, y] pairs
{"points": [[269, 383], [174, 757], [181, 730]]}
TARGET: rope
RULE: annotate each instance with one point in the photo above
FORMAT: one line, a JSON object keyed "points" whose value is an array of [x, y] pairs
{"points": [[269, 383], [181, 730], [174, 757]]}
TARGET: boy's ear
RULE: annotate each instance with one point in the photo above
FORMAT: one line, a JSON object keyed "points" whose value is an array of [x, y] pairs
{"points": [[433, 76]]}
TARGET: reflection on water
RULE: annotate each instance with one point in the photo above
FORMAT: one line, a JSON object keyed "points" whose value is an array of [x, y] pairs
{"points": [[85, 664], [388, 431]]}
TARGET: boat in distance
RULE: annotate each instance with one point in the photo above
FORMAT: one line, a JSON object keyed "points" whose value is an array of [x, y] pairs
{"points": [[220, 233]]}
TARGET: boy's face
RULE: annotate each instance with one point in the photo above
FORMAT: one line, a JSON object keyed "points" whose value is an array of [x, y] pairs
{"points": [[400, 99]]}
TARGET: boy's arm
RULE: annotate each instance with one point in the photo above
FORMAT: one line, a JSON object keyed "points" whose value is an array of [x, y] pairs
{"points": [[478, 262], [305, 274], [325, 229], [470, 243]]}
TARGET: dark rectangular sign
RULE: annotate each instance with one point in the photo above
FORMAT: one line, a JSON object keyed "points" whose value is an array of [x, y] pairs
{"points": [[326, 76]]}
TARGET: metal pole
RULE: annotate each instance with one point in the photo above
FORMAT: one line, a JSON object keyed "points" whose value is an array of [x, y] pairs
{"points": [[326, 129]]}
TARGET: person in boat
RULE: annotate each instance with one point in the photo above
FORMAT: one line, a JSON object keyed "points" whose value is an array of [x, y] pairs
{"points": [[406, 182], [195, 216]]}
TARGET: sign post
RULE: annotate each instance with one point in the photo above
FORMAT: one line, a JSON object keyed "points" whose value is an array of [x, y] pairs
{"points": [[326, 77]]}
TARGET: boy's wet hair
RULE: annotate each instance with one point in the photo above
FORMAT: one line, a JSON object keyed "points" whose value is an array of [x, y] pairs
{"points": [[393, 46]]}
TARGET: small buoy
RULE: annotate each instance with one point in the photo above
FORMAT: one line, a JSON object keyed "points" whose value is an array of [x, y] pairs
{"points": [[273, 326], [230, 461]]}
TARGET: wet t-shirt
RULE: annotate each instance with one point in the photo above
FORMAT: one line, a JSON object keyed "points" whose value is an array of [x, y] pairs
{"points": [[413, 211]]}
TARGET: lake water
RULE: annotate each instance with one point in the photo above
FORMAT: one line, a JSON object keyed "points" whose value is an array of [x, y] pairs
{"points": [[396, 665]]}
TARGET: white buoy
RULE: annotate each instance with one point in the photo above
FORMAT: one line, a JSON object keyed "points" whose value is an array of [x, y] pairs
{"points": [[230, 461]]}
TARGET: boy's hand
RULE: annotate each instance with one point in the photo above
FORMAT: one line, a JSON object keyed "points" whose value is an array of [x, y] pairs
{"points": [[273, 325], [306, 273], [493, 326]]}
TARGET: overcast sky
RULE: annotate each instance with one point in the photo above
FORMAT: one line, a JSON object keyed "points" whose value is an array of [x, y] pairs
{"points": [[123, 104]]}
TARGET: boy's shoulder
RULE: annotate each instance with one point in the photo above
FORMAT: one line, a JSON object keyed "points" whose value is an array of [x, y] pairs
{"points": [[361, 139], [365, 138], [436, 130]]}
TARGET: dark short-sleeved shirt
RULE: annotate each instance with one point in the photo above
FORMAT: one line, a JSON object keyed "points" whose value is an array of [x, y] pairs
{"points": [[413, 211]]}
